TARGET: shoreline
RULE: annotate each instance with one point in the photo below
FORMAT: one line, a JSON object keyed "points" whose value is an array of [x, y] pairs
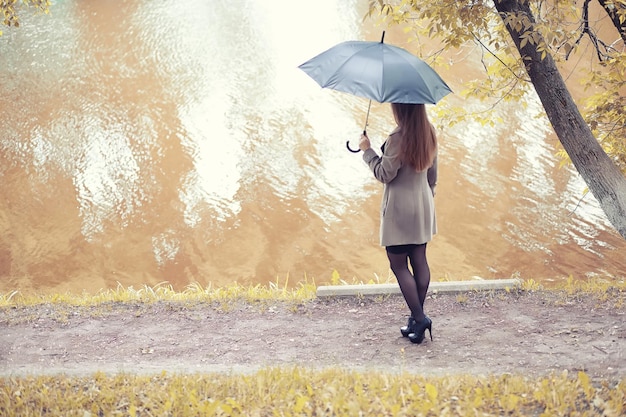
{"points": [[531, 333]]}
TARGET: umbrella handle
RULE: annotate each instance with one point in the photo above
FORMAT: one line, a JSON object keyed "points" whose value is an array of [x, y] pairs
{"points": [[350, 149], [358, 149]]}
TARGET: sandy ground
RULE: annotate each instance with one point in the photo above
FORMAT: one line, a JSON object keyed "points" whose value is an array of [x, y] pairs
{"points": [[477, 333]]}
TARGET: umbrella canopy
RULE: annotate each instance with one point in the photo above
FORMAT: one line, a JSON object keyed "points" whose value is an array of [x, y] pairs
{"points": [[378, 71]]}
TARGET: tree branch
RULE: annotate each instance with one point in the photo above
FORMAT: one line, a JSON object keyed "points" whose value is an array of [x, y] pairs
{"points": [[612, 9], [602, 49], [484, 47]]}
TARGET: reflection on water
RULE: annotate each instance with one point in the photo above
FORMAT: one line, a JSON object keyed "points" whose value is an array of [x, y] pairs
{"points": [[179, 142]]}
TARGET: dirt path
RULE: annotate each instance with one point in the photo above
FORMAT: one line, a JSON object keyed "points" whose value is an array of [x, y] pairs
{"points": [[477, 333]]}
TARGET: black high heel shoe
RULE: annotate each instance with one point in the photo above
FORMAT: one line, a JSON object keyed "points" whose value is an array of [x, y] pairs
{"points": [[418, 331], [406, 330]]}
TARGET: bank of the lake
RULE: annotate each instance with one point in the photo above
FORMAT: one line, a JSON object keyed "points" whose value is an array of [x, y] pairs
{"points": [[517, 351]]}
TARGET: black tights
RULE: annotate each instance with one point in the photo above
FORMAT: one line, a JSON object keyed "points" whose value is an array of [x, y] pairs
{"points": [[413, 285]]}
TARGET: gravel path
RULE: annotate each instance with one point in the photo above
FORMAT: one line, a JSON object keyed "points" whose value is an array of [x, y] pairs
{"points": [[477, 333]]}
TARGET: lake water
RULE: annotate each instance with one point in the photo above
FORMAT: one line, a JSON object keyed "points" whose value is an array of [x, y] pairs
{"points": [[178, 141]]}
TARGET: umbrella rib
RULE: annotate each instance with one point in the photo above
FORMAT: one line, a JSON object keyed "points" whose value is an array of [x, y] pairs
{"points": [[400, 53]]}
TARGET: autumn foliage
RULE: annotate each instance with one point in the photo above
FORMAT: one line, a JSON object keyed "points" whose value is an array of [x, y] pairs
{"points": [[587, 40], [10, 10]]}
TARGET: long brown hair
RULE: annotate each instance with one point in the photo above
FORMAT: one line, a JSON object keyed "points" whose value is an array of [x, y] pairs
{"points": [[419, 141]]}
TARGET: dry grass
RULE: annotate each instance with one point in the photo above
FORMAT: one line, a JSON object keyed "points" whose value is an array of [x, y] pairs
{"points": [[192, 294], [304, 392], [601, 289]]}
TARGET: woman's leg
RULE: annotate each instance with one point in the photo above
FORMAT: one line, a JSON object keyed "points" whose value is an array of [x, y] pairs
{"points": [[421, 271], [407, 283]]}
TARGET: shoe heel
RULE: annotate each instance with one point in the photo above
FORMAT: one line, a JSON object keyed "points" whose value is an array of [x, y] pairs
{"points": [[419, 331]]}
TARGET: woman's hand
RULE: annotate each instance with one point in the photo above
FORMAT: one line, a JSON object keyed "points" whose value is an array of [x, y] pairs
{"points": [[364, 143]]}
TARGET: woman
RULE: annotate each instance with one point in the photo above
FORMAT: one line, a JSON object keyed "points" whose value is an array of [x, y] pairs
{"points": [[408, 170]]}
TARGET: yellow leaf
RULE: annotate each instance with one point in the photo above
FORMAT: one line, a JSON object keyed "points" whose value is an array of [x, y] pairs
{"points": [[510, 401], [431, 391], [301, 402]]}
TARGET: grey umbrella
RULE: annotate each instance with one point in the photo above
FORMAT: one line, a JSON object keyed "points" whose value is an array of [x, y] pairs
{"points": [[377, 71]]}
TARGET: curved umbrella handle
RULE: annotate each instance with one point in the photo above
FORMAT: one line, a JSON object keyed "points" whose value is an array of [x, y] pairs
{"points": [[364, 132], [350, 149]]}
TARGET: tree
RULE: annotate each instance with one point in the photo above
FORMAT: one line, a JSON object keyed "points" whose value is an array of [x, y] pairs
{"points": [[524, 37], [9, 10]]}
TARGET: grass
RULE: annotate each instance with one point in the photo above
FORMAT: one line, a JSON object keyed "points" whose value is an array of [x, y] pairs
{"points": [[299, 391], [192, 294], [304, 392], [567, 291], [571, 290]]}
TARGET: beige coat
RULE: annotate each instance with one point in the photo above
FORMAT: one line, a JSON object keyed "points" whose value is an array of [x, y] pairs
{"points": [[407, 212]]}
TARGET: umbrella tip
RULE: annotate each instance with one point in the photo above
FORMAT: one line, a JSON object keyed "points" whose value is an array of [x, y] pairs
{"points": [[383, 37]]}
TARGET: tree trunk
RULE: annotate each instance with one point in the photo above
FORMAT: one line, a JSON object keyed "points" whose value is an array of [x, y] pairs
{"points": [[603, 177]]}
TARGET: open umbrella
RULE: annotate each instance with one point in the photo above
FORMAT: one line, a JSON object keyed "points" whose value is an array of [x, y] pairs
{"points": [[377, 71]]}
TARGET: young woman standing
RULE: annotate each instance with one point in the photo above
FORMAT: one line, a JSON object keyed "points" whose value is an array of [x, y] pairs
{"points": [[408, 171]]}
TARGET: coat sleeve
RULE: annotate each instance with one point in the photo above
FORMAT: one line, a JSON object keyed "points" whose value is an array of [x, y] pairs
{"points": [[385, 167]]}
